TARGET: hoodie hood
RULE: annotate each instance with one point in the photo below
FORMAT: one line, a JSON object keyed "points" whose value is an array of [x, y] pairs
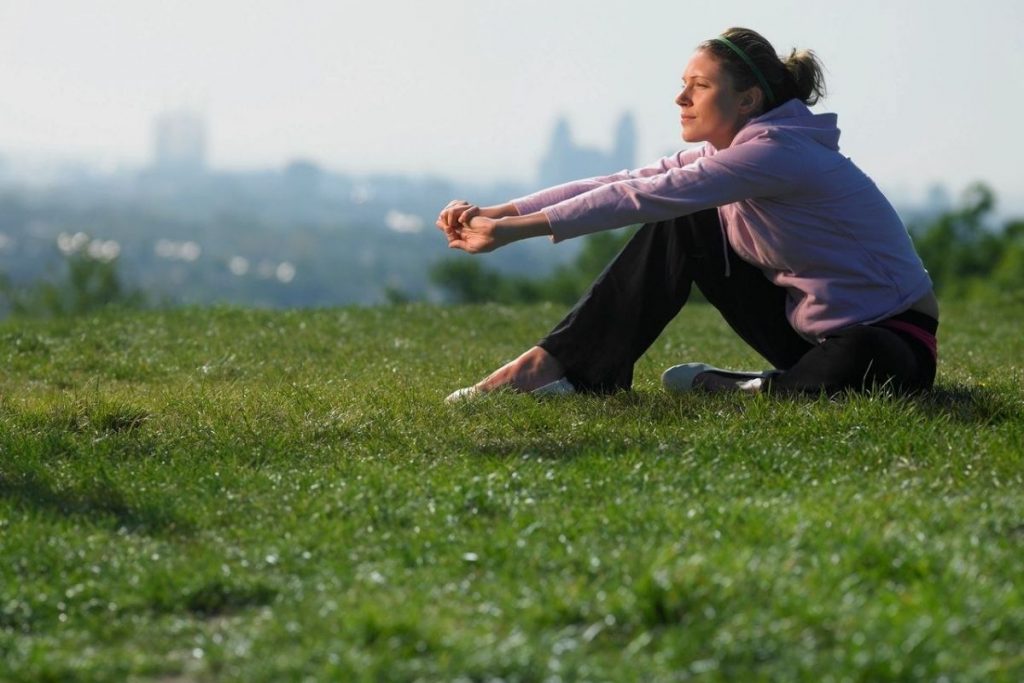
{"points": [[793, 116]]}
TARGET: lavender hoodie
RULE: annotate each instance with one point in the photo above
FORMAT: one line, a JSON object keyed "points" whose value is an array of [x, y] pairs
{"points": [[788, 202]]}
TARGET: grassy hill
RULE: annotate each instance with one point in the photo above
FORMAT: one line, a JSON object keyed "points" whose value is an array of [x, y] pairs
{"points": [[238, 495]]}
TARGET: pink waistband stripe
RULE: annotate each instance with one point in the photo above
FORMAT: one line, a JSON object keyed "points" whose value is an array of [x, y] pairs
{"points": [[916, 332]]}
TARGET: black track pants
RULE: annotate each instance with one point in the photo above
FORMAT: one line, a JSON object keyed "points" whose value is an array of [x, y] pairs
{"points": [[649, 281]]}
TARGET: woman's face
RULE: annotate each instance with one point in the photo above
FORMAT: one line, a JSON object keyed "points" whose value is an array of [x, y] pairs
{"points": [[711, 109]]}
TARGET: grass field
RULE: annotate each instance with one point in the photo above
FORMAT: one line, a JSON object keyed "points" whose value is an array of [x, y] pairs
{"points": [[266, 496]]}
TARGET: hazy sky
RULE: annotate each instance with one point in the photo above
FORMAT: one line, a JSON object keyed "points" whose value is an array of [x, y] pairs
{"points": [[925, 91]]}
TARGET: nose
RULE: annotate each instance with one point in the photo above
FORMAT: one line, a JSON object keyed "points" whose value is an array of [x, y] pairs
{"points": [[683, 98]]}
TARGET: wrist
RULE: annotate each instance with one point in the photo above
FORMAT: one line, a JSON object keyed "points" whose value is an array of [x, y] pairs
{"points": [[499, 211], [522, 227]]}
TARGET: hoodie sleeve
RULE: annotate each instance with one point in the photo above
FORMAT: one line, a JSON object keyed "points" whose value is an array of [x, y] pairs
{"points": [[553, 195], [761, 166]]}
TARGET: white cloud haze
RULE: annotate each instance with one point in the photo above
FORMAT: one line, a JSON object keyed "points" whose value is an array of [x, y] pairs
{"points": [[925, 91]]}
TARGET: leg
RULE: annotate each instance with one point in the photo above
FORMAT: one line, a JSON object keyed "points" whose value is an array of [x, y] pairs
{"points": [[613, 323], [625, 309], [649, 281], [647, 284], [531, 370], [859, 358], [856, 358]]}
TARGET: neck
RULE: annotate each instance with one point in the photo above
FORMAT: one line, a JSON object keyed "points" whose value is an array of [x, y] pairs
{"points": [[725, 141]]}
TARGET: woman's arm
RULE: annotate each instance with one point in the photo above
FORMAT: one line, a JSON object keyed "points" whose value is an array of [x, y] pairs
{"points": [[499, 211], [459, 211], [760, 167], [558, 193], [481, 234]]}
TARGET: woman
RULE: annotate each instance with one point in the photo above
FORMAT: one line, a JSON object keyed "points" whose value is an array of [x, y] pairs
{"points": [[795, 246]]}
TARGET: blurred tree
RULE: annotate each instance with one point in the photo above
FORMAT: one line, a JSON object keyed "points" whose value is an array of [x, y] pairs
{"points": [[965, 255], [469, 281], [88, 284], [1008, 274]]}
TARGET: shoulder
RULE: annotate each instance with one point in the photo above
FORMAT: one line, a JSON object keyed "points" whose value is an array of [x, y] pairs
{"points": [[763, 147], [789, 135], [793, 122]]}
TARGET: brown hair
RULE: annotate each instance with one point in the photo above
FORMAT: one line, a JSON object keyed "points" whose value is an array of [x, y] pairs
{"points": [[800, 75]]}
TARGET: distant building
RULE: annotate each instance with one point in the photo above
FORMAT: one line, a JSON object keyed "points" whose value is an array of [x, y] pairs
{"points": [[565, 160], [303, 178], [179, 144]]}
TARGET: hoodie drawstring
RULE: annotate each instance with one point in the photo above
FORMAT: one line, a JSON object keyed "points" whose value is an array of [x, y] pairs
{"points": [[725, 246]]}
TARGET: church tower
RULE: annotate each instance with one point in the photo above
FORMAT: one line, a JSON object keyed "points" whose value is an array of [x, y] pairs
{"points": [[624, 152], [565, 160], [555, 167]]}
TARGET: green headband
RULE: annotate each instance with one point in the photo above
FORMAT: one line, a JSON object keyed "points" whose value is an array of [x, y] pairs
{"points": [[753, 67]]}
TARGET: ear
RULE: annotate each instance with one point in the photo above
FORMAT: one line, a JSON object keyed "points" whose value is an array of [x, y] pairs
{"points": [[752, 101]]}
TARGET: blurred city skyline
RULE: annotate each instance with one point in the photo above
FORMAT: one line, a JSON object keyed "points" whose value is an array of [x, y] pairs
{"points": [[927, 93]]}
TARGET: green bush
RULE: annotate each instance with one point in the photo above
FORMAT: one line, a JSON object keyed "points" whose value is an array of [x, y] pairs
{"points": [[966, 256], [468, 281], [87, 284]]}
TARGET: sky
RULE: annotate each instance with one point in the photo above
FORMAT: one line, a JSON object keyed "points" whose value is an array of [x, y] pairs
{"points": [[926, 92]]}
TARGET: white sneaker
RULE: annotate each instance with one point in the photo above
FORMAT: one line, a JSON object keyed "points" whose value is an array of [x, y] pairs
{"points": [[463, 394], [679, 379], [560, 387]]}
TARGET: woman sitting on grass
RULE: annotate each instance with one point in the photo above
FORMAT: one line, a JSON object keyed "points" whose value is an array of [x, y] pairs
{"points": [[796, 247]]}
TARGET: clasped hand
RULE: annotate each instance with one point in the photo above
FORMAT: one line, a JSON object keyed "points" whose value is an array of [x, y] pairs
{"points": [[466, 228]]}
